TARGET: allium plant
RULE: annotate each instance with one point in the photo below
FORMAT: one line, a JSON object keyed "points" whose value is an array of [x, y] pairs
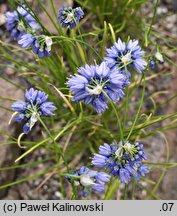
{"points": [[84, 76]]}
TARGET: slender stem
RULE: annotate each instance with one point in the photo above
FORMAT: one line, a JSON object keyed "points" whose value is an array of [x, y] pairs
{"points": [[133, 189], [70, 175], [126, 107], [160, 164], [108, 188], [81, 111], [52, 138], [80, 41], [47, 139], [125, 192], [138, 112], [61, 154], [117, 117], [49, 16], [152, 21], [78, 28], [53, 8]]}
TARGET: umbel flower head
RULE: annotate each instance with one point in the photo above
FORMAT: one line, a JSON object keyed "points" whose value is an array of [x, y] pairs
{"points": [[90, 180], [69, 16], [36, 105], [124, 56], [123, 161], [20, 21], [41, 45], [95, 83]]}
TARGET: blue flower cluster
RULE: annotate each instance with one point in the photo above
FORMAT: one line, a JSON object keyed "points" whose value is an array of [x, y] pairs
{"points": [[69, 16], [122, 57], [90, 180], [41, 44], [122, 160], [20, 21], [36, 105], [23, 27], [95, 84]]}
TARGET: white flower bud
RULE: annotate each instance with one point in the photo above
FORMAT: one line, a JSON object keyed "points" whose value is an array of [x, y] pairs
{"points": [[159, 57], [96, 91], [33, 120], [49, 43], [86, 180]]}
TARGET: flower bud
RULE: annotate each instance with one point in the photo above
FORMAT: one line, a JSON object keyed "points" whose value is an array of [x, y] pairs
{"points": [[86, 180]]}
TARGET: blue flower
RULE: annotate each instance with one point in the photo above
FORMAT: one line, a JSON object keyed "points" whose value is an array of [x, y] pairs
{"points": [[124, 175], [90, 180], [152, 64], [26, 40], [41, 45], [141, 170], [69, 16], [123, 161], [95, 83], [19, 22], [123, 56], [35, 105]]}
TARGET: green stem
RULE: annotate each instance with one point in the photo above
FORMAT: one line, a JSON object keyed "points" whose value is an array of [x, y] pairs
{"points": [[80, 41], [80, 34], [77, 121], [138, 112], [53, 139], [70, 175], [160, 164], [24, 179], [53, 8], [108, 188], [152, 22], [125, 192], [126, 107], [61, 154], [117, 117], [133, 189]]}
